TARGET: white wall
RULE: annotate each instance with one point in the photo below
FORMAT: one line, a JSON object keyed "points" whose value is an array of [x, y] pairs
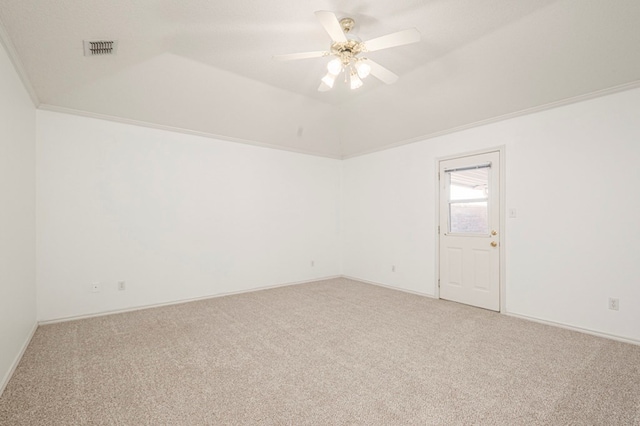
{"points": [[573, 175], [17, 217], [175, 216]]}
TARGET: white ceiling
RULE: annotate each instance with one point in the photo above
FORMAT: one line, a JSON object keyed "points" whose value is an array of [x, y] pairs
{"points": [[206, 67]]}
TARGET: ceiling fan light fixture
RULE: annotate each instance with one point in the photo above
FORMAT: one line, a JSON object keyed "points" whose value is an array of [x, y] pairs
{"points": [[345, 48], [334, 66], [363, 69], [356, 83], [323, 87], [329, 79]]}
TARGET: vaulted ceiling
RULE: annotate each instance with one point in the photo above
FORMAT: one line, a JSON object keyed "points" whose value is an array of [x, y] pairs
{"points": [[206, 67]]}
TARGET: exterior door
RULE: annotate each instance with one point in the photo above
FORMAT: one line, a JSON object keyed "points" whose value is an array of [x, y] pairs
{"points": [[469, 230]]}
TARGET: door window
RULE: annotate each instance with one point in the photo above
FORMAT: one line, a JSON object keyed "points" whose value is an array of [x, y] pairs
{"points": [[468, 190]]}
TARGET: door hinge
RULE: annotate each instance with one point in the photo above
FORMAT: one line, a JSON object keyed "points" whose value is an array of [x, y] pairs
{"points": [[438, 282], [438, 229]]}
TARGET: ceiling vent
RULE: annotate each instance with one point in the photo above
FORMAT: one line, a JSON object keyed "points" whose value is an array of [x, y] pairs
{"points": [[100, 47]]}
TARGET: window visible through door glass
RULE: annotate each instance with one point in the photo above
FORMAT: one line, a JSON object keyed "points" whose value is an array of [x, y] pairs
{"points": [[468, 200]]}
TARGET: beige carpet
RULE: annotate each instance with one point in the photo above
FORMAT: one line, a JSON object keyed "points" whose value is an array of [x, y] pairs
{"points": [[334, 352]]}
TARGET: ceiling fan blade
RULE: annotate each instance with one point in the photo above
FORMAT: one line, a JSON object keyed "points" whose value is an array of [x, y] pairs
{"points": [[382, 73], [304, 55], [391, 40], [331, 24]]}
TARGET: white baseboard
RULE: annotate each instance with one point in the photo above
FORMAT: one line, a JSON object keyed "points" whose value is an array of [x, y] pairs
{"points": [[16, 361], [524, 317], [574, 328], [180, 301], [177, 302], [404, 290]]}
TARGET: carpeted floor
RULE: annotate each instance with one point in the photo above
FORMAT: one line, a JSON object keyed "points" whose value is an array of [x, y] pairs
{"points": [[333, 352]]}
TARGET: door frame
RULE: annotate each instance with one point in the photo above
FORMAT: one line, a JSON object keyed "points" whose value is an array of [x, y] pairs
{"points": [[502, 225]]}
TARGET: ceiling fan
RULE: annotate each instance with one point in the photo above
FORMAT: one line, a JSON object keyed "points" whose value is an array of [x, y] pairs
{"points": [[348, 49]]}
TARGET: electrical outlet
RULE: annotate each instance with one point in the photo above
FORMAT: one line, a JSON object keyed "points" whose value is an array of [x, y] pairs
{"points": [[614, 303], [393, 268], [95, 288], [313, 263], [122, 285]]}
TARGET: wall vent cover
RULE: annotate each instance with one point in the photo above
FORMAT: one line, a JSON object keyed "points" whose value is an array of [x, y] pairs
{"points": [[100, 47]]}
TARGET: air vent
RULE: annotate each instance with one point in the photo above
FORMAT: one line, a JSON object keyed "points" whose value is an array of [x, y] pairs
{"points": [[100, 47]]}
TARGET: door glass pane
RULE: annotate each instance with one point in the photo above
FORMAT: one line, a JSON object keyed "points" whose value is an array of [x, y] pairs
{"points": [[468, 201], [469, 218]]}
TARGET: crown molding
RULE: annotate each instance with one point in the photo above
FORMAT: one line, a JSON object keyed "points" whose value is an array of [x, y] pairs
{"points": [[105, 117], [567, 101], [6, 42], [563, 102]]}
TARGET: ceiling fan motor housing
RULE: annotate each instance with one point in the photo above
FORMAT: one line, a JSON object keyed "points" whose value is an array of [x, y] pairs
{"points": [[347, 50], [350, 47], [347, 24]]}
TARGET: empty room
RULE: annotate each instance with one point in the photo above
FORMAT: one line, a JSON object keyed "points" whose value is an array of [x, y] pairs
{"points": [[319, 212]]}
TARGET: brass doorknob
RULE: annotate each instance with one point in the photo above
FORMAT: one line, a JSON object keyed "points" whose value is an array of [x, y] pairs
{"points": [[494, 232], [494, 244]]}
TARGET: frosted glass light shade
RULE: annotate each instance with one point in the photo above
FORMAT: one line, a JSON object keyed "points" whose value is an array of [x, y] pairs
{"points": [[329, 79], [323, 87], [355, 81], [363, 69], [334, 67]]}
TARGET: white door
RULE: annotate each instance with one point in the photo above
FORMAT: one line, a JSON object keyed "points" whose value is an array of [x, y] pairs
{"points": [[469, 230]]}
